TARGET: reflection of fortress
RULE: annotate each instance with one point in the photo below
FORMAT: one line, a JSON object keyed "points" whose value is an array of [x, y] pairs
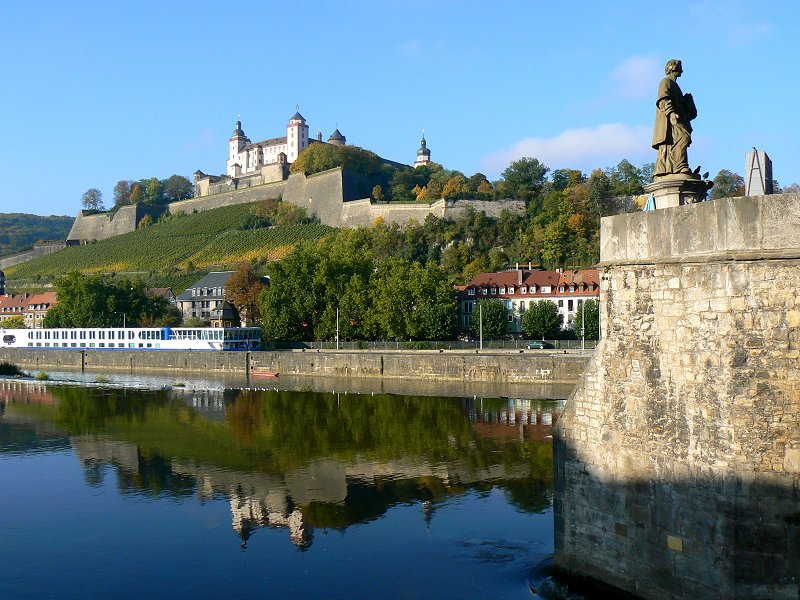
{"points": [[283, 500]]}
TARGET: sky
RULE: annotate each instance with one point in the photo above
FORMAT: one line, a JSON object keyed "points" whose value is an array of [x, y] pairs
{"points": [[95, 92]]}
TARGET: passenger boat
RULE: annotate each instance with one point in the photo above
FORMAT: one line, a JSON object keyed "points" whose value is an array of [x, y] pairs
{"points": [[137, 338]]}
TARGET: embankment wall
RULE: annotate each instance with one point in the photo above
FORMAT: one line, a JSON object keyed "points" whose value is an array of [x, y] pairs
{"points": [[678, 454], [525, 367], [36, 252]]}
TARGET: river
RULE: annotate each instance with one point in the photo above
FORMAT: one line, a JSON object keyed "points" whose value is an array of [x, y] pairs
{"points": [[117, 489]]}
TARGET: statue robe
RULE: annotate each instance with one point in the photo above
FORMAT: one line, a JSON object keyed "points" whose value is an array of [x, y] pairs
{"points": [[671, 141]]}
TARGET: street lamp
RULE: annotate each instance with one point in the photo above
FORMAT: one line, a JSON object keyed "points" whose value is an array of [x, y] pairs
{"points": [[480, 324]]}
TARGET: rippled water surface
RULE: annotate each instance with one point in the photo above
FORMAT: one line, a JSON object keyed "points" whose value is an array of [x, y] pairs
{"points": [[132, 493]]}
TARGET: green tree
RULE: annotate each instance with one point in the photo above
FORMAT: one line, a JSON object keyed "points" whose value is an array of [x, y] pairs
{"points": [[727, 184], [590, 310], [15, 322], [153, 192], [122, 193], [377, 193], [524, 178], [177, 187], [492, 316], [96, 301], [92, 199], [541, 319]]}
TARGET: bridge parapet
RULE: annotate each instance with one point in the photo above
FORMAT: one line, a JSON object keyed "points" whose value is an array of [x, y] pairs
{"points": [[678, 454]]}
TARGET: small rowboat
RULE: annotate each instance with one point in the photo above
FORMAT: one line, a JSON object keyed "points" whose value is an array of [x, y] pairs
{"points": [[263, 373]]}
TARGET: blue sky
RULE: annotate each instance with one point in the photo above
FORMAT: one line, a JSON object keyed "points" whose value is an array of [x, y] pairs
{"points": [[95, 92]]}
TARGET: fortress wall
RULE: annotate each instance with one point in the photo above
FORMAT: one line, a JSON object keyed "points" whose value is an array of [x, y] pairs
{"points": [[37, 251], [321, 195], [493, 208], [106, 224], [240, 196], [678, 455], [362, 213]]}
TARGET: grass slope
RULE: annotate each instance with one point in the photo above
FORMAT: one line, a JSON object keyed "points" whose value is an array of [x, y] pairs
{"points": [[192, 243]]}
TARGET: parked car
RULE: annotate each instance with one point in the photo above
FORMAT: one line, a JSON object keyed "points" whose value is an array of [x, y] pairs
{"points": [[539, 345]]}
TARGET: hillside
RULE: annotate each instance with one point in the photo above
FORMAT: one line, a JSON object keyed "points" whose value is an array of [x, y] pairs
{"points": [[174, 250], [19, 232]]}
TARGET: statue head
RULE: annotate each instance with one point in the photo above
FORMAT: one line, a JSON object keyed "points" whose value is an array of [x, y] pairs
{"points": [[673, 65]]}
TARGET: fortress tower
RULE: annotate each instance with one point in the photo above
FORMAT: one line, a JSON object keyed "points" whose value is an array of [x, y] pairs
{"points": [[296, 137], [237, 143], [337, 139], [423, 154]]}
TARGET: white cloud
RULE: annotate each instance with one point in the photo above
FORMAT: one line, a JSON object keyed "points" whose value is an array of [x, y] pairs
{"points": [[582, 148], [637, 76]]}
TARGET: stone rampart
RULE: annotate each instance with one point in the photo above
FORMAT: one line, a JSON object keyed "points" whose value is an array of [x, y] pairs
{"points": [[38, 250], [240, 196], [678, 454], [90, 226]]}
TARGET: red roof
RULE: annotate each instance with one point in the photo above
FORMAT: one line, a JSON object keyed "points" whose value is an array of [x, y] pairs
{"points": [[46, 299], [586, 281]]}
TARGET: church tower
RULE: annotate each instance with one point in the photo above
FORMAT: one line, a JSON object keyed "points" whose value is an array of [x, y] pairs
{"points": [[423, 154], [237, 143], [296, 136]]}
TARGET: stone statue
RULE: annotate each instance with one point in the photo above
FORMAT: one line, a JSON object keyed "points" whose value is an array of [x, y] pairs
{"points": [[672, 133]]}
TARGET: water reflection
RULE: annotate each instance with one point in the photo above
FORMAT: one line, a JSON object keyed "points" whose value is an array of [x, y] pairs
{"points": [[288, 460]]}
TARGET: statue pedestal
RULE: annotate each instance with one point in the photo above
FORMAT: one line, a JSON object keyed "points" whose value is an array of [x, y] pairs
{"points": [[677, 190]]}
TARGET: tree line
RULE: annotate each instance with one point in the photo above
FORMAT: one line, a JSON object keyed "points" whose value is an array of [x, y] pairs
{"points": [[152, 191]]}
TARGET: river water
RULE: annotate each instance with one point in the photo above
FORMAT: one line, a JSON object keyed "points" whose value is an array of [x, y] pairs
{"points": [[114, 491]]}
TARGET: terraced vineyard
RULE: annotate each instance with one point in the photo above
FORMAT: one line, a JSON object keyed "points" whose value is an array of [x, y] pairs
{"points": [[198, 241]]}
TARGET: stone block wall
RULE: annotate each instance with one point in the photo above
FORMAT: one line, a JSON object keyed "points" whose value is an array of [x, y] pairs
{"points": [[240, 196], [99, 226], [678, 454], [38, 250]]}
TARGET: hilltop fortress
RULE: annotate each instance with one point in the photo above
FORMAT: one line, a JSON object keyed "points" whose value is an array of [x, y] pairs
{"points": [[260, 170]]}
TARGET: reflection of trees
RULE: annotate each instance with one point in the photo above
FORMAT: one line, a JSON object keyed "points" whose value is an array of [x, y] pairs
{"points": [[380, 450], [85, 410]]}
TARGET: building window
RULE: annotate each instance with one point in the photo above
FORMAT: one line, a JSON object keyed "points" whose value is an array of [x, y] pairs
{"points": [[494, 291], [523, 290], [471, 292], [561, 288], [560, 304], [483, 291], [502, 290], [511, 289], [572, 288], [570, 305]]}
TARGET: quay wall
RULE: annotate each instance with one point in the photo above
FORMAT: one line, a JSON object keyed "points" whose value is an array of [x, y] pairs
{"points": [[677, 457], [520, 367]]}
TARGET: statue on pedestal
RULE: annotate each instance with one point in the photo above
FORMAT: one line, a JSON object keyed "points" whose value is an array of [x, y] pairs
{"points": [[672, 134], [674, 182]]}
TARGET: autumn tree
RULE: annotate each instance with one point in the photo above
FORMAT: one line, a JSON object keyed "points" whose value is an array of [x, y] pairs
{"points": [[137, 193], [243, 291]]}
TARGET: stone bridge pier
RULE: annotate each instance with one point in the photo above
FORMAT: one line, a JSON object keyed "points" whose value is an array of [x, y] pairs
{"points": [[678, 454]]}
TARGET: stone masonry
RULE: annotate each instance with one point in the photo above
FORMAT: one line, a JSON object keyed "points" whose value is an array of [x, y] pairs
{"points": [[678, 454]]}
